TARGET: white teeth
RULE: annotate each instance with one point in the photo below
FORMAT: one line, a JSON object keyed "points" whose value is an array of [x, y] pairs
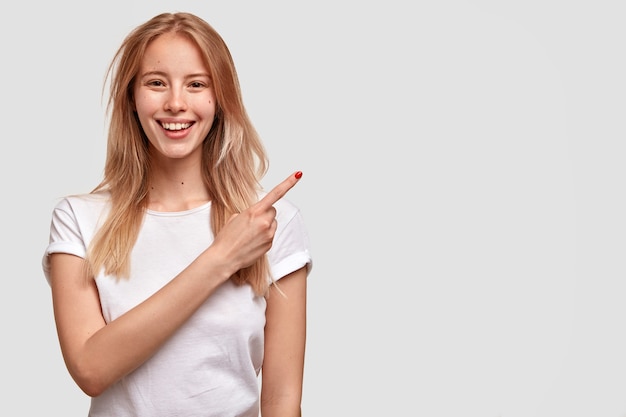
{"points": [[175, 126]]}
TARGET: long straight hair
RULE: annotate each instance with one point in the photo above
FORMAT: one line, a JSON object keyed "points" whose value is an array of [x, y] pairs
{"points": [[233, 157]]}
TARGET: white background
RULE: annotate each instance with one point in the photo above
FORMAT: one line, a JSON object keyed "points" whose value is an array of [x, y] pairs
{"points": [[463, 186]]}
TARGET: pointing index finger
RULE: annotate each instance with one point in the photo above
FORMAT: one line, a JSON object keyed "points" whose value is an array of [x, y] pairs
{"points": [[280, 190]]}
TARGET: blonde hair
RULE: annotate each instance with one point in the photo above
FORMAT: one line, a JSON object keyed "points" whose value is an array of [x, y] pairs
{"points": [[234, 159]]}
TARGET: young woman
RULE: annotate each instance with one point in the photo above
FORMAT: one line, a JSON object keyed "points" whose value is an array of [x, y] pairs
{"points": [[177, 280]]}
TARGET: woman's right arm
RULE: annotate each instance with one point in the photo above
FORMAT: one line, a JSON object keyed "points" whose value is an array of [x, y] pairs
{"points": [[98, 354]]}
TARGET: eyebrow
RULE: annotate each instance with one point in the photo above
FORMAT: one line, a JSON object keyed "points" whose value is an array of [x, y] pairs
{"points": [[163, 74]]}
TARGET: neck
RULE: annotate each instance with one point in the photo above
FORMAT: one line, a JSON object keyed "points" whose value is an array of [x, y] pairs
{"points": [[176, 189]]}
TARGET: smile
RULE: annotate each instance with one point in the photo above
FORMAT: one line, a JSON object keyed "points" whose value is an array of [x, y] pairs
{"points": [[175, 126]]}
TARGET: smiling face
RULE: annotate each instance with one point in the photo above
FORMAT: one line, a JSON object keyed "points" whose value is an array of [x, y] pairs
{"points": [[174, 97]]}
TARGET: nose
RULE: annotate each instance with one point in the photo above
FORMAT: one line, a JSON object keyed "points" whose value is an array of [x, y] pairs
{"points": [[175, 101]]}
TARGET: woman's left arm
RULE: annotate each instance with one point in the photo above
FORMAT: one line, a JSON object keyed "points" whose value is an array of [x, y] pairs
{"points": [[285, 339]]}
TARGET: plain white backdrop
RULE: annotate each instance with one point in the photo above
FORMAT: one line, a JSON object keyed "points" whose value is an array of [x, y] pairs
{"points": [[463, 186]]}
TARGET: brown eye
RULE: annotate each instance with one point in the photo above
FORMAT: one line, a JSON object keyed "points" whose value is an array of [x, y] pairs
{"points": [[155, 83]]}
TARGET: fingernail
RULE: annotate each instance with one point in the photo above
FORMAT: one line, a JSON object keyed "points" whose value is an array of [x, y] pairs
{"points": [[299, 174]]}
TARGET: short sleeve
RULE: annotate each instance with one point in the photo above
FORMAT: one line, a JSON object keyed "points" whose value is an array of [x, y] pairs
{"points": [[65, 235], [291, 247]]}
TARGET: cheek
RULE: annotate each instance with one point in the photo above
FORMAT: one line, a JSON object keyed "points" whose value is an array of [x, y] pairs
{"points": [[140, 102], [143, 112], [144, 107], [211, 107]]}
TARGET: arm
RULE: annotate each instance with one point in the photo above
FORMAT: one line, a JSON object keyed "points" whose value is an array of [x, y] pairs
{"points": [[285, 337], [98, 354]]}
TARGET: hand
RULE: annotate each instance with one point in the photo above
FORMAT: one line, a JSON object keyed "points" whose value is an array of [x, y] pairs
{"points": [[249, 235]]}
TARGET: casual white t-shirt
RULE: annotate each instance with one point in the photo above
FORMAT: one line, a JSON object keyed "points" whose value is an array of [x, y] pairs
{"points": [[210, 366]]}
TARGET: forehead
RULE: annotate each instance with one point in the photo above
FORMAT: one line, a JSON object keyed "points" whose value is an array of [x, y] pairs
{"points": [[173, 50]]}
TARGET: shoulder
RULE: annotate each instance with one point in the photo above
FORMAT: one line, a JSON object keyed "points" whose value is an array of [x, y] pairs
{"points": [[85, 209], [81, 202]]}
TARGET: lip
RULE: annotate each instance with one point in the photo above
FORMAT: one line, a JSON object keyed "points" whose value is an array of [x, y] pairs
{"points": [[176, 134]]}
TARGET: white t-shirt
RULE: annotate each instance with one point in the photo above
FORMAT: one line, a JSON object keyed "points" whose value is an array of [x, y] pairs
{"points": [[210, 366]]}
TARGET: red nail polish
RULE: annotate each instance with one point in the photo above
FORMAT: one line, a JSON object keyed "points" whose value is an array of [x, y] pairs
{"points": [[299, 174]]}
